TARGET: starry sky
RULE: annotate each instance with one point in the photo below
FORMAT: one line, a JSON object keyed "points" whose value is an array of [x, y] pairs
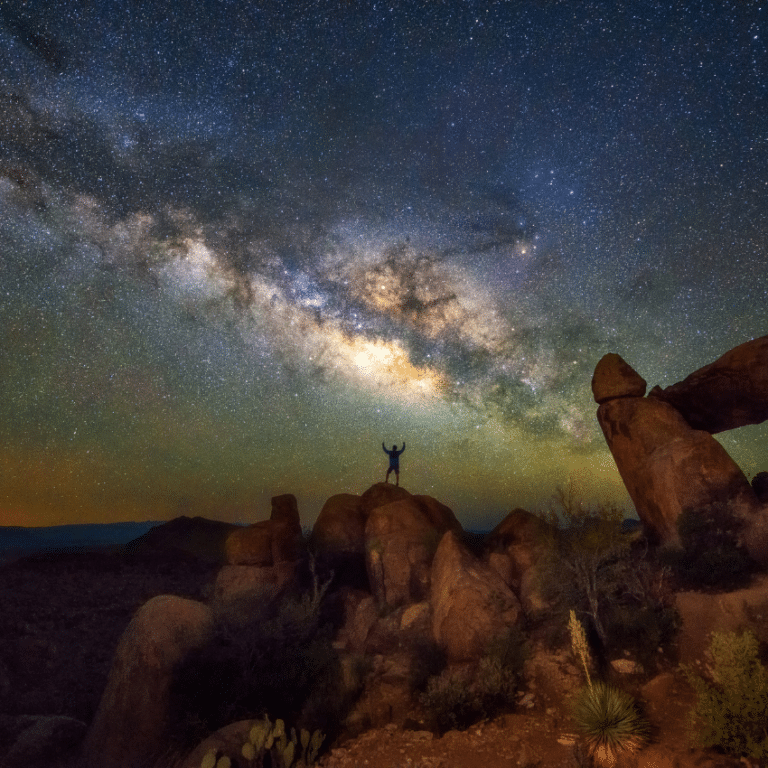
{"points": [[243, 243]]}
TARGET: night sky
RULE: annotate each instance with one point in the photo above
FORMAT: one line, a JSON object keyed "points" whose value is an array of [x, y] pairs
{"points": [[243, 243]]}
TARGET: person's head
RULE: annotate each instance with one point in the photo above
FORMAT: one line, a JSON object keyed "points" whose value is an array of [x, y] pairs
{"points": [[394, 447]]}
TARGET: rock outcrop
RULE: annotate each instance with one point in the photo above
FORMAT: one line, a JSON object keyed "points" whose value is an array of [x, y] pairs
{"points": [[268, 542], [400, 544], [471, 604], [513, 548], [731, 392], [129, 728], [667, 464], [387, 536]]}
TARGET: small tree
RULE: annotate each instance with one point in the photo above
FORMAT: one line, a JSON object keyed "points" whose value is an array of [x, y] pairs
{"points": [[588, 554]]}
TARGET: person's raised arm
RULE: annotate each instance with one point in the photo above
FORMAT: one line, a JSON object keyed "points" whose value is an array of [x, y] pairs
{"points": [[384, 447], [403, 448]]}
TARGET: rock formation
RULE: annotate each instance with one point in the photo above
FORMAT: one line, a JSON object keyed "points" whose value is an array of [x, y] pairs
{"points": [[513, 548], [400, 543], [731, 392], [392, 550], [471, 604], [129, 728], [268, 542], [666, 464]]}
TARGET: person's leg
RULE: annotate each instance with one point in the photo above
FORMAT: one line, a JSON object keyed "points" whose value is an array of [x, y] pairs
{"points": [[397, 477], [386, 478]]}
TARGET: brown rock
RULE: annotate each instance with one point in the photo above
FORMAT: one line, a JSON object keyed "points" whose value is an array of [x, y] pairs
{"points": [[251, 545], [234, 580], [701, 614], [440, 516], [522, 538], [129, 728], [667, 467], [360, 614], [340, 526], [731, 392], [615, 378], [400, 542], [379, 494], [287, 541], [269, 542], [470, 602]]}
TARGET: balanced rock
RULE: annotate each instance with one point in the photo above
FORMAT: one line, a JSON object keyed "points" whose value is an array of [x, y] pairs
{"points": [[667, 467], [129, 728], [731, 392], [471, 604], [615, 378]]}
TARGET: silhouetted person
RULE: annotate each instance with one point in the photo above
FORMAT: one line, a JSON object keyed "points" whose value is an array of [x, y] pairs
{"points": [[394, 462]]}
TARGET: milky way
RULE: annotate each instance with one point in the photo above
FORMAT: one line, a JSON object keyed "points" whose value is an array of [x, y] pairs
{"points": [[242, 244]]}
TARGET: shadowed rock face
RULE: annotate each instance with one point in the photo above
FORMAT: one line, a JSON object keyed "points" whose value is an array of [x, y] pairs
{"points": [[731, 392]]}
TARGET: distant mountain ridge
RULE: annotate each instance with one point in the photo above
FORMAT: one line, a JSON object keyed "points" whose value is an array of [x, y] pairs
{"points": [[17, 541], [197, 536]]}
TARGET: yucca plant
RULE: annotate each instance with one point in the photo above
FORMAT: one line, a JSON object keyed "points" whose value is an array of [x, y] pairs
{"points": [[609, 722], [606, 717]]}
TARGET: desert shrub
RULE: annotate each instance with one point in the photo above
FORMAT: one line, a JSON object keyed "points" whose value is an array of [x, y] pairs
{"points": [[450, 703], [608, 578], [427, 661], [710, 554], [500, 671], [731, 712], [453, 700], [267, 656], [586, 557]]}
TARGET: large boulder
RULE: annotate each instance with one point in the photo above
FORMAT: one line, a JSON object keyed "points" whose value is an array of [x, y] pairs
{"points": [[380, 494], [440, 516], [340, 526], [268, 542], [251, 545], [470, 602], [731, 392], [513, 548], [400, 542], [340, 534], [129, 728], [667, 467], [613, 378]]}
